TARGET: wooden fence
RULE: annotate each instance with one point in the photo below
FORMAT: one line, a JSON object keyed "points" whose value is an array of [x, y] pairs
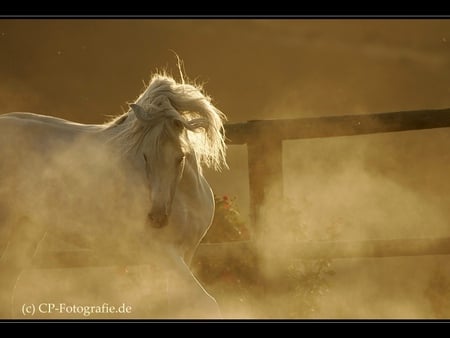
{"points": [[264, 140], [265, 170]]}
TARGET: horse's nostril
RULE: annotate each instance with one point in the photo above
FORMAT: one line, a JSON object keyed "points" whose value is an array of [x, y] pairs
{"points": [[157, 221]]}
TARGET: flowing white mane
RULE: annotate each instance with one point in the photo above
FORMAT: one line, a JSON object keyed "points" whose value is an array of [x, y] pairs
{"points": [[165, 100]]}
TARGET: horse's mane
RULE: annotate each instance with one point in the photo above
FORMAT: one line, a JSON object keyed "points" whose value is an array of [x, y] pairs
{"points": [[165, 100]]}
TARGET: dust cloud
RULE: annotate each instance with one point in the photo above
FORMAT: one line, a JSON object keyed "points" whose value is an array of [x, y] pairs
{"points": [[384, 186], [337, 195], [76, 197]]}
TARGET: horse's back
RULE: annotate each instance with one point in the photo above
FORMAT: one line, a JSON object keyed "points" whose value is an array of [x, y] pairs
{"points": [[64, 175], [37, 155], [35, 128], [29, 142]]}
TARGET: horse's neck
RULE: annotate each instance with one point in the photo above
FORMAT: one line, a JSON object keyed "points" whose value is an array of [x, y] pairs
{"points": [[112, 129], [195, 198], [195, 188], [193, 169]]}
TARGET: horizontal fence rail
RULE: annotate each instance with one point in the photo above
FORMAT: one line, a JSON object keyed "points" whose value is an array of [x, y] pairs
{"points": [[332, 126], [340, 249], [237, 250]]}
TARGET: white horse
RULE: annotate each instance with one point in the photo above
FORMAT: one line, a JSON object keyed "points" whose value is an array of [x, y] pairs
{"points": [[131, 184]]}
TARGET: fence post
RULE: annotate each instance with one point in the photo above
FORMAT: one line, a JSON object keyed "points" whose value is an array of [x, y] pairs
{"points": [[265, 176]]}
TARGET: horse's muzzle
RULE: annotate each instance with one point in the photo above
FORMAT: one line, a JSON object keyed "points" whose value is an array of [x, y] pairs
{"points": [[158, 220]]}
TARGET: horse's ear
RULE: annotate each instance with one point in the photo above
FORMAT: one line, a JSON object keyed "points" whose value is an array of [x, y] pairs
{"points": [[139, 112]]}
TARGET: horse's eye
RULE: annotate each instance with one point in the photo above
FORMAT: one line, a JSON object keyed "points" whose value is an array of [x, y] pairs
{"points": [[180, 159]]}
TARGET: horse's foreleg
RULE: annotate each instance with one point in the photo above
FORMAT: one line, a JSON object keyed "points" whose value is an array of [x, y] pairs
{"points": [[186, 296], [16, 257]]}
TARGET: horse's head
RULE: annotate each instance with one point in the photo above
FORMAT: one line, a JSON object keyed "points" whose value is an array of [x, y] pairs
{"points": [[163, 153], [173, 120]]}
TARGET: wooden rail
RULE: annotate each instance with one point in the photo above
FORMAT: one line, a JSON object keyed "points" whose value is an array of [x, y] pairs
{"points": [[332, 126], [236, 250], [338, 249]]}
